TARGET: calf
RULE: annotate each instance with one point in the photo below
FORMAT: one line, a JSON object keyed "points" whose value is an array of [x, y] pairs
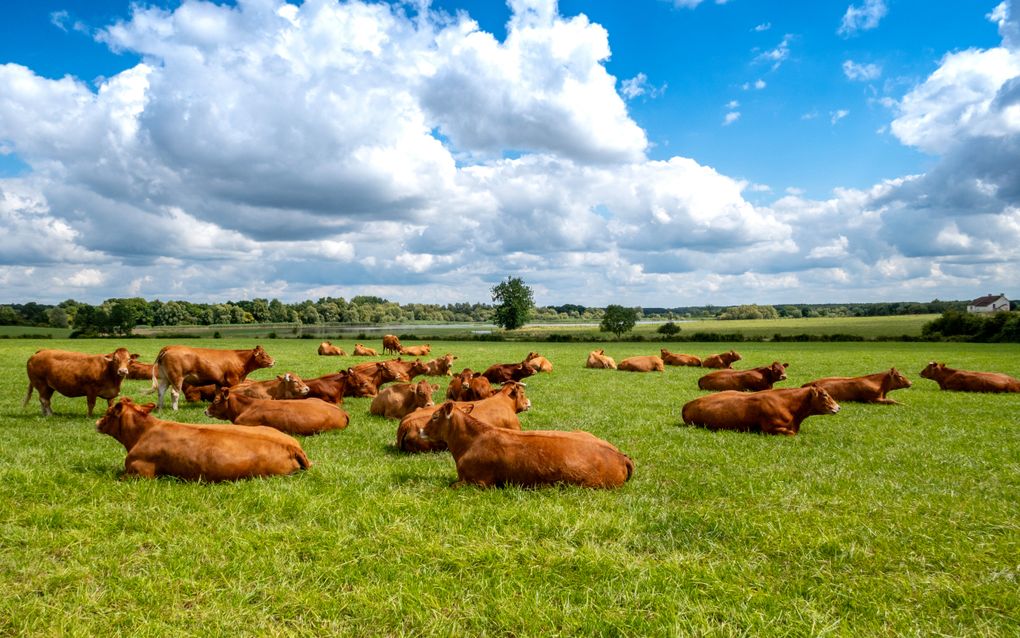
{"points": [[769, 411], [722, 360], [301, 416], [870, 388], [488, 456], [362, 351], [503, 372], [401, 399], [753, 380], [76, 374], [647, 363], [968, 380], [597, 359], [675, 359], [500, 411], [327, 349], [537, 361], [198, 452], [391, 344], [201, 366], [284, 386], [441, 366], [416, 351]]}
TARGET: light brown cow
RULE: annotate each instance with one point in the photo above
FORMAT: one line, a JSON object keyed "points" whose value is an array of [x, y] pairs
{"points": [[492, 457], [537, 361], [754, 380], [284, 386], [293, 416], [441, 366], [770, 411], [327, 349], [362, 351], [416, 351], [597, 359], [722, 360], [200, 366], [469, 386], [197, 451], [139, 371], [391, 344], [458, 384], [644, 363], [677, 359], [76, 374], [503, 372], [500, 410], [400, 399], [409, 369], [969, 380], [871, 388]]}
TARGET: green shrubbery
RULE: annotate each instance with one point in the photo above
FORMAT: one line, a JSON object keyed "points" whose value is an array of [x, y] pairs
{"points": [[954, 325]]}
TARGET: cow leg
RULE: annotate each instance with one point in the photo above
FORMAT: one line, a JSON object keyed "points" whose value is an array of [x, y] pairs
{"points": [[45, 393], [162, 384], [91, 400], [887, 401], [175, 393], [138, 467]]}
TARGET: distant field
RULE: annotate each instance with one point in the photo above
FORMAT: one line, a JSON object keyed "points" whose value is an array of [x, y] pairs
{"points": [[880, 520], [17, 331]]}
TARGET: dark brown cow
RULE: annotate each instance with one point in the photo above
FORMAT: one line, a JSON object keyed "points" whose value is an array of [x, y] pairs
{"points": [[676, 359], [201, 366], [391, 344], [597, 359], [331, 388], [195, 393], [458, 384], [441, 366], [284, 386], [416, 351], [327, 349], [491, 457], [645, 363], [870, 388], [379, 372], [139, 371], [76, 374], [537, 361], [293, 416], [754, 380], [500, 410], [362, 351], [770, 411], [409, 369], [503, 372], [968, 380], [722, 360], [400, 399], [196, 451]]}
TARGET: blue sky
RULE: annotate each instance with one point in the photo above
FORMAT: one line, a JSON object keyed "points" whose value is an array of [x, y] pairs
{"points": [[656, 152]]}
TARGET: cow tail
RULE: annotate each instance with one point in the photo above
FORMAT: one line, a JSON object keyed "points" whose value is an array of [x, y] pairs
{"points": [[302, 459], [28, 395]]}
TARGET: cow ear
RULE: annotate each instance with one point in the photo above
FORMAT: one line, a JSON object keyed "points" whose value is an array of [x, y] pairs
{"points": [[107, 358], [466, 409], [786, 365], [135, 356], [147, 408]]}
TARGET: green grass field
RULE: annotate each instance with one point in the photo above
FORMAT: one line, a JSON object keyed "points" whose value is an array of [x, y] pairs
{"points": [[880, 520]]}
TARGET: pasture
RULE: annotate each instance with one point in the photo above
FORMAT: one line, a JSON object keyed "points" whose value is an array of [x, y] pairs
{"points": [[880, 520]]}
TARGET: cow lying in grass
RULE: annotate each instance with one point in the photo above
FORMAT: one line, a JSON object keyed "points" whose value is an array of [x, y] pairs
{"points": [[676, 359], [500, 411], [400, 399], [646, 363], [327, 349], [871, 388], [598, 360], [284, 386], [769, 411], [754, 380], [721, 360], [293, 416], [968, 380]]}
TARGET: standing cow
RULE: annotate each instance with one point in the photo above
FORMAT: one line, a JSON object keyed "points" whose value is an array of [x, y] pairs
{"points": [[76, 374], [391, 344], [200, 366]]}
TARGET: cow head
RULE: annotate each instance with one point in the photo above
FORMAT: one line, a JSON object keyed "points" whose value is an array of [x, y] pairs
{"points": [[445, 421], [119, 421], [732, 356], [218, 408], [776, 371], [120, 361], [822, 402], [293, 386], [932, 370], [423, 394], [360, 385], [262, 358], [897, 380], [417, 368], [516, 392]]}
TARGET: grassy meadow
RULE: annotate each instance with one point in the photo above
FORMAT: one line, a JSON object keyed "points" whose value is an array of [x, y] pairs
{"points": [[880, 520]]}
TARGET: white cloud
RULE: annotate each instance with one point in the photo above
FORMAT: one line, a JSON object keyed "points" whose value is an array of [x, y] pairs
{"points": [[638, 86], [835, 116], [733, 104], [862, 17], [777, 55], [86, 277], [861, 72], [758, 84], [764, 26], [731, 117]]}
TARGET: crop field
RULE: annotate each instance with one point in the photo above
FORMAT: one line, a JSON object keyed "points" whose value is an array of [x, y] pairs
{"points": [[879, 520]]}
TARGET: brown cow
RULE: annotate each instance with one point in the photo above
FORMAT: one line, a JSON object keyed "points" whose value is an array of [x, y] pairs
{"points": [[416, 351], [458, 385], [676, 359], [537, 361], [327, 349], [400, 399], [645, 363], [331, 388], [770, 411], [362, 351], [196, 451], [469, 386], [500, 411], [377, 373], [503, 372], [409, 369], [200, 366], [870, 388], [293, 416], [139, 371], [968, 380], [284, 386], [598, 359], [195, 393], [441, 366], [754, 380], [391, 344], [488, 456], [722, 360], [76, 374]]}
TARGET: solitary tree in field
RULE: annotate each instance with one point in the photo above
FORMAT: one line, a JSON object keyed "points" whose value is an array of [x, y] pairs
{"points": [[618, 320], [513, 303]]}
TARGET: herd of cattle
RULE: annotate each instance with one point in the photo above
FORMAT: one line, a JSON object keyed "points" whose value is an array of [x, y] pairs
{"points": [[477, 423]]}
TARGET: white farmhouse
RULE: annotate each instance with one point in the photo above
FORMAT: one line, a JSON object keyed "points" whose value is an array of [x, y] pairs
{"points": [[989, 303]]}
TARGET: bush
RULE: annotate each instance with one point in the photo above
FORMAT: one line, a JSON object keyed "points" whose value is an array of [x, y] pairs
{"points": [[669, 329]]}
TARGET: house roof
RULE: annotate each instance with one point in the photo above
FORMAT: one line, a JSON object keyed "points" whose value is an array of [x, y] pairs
{"points": [[986, 300]]}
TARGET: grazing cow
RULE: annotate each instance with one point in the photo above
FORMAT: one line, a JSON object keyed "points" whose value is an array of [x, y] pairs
{"points": [[327, 349], [76, 374], [331, 388], [284, 386], [722, 360], [400, 399], [195, 393], [754, 380], [487, 456], [200, 366], [646, 363], [870, 388], [197, 451], [391, 344], [416, 351], [597, 359], [676, 359], [968, 380], [362, 351], [500, 411], [409, 369], [537, 361], [770, 411], [503, 372], [441, 367], [292, 416], [139, 371]]}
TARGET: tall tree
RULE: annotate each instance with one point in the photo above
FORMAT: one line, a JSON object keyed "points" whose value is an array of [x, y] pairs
{"points": [[618, 320], [514, 302]]}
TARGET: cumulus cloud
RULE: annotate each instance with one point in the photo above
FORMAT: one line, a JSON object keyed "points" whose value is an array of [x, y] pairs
{"points": [[639, 85], [731, 117], [862, 17], [777, 55], [835, 116], [861, 72], [764, 26]]}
